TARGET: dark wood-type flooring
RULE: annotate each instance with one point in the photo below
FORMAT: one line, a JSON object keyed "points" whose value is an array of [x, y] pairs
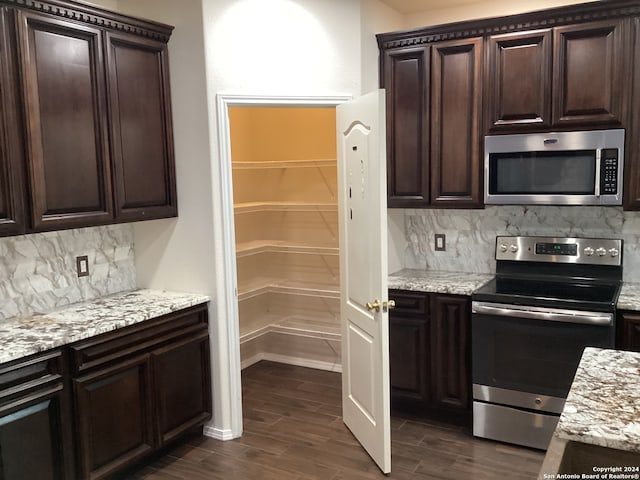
{"points": [[293, 430]]}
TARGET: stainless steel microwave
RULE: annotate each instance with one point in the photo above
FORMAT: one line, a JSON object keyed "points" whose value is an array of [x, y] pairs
{"points": [[561, 168]]}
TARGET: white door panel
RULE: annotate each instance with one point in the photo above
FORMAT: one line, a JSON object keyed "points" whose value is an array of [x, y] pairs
{"points": [[363, 272]]}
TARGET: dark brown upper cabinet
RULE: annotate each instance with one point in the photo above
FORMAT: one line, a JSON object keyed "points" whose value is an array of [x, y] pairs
{"points": [[407, 79], [86, 134], [568, 76], [563, 68], [587, 74], [141, 128], [519, 80], [65, 106], [456, 96], [632, 148], [12, 187], [433, 107]]}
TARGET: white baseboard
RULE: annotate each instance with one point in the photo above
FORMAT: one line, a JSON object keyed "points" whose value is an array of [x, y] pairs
{"points": [[294, 348], [247, 362], [219, 434], [302, 362]]}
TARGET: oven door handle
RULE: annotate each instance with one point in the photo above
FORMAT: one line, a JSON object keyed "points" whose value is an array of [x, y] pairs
{"points": [[543, 313]]}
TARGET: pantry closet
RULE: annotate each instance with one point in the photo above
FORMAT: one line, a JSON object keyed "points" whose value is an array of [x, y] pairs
{"points": [[286, 230]]}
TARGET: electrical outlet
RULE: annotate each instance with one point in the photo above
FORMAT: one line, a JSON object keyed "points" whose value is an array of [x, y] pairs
{"points": [[441, 242], [82, 266]]}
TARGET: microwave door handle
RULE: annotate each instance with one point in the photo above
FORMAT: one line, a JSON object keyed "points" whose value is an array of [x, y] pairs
{"points": [[596, 190]]}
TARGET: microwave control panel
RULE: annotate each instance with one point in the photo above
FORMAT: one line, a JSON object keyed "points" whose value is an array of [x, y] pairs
{"points": [[609, 171]]}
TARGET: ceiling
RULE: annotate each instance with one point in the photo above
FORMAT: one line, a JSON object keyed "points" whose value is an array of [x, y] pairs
{"points": [[413, 6]]}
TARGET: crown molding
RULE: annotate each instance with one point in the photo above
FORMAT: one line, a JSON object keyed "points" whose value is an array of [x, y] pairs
{"points": [[95, 16], [572, 14]]}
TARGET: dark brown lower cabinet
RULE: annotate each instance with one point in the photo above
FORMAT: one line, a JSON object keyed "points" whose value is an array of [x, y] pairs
{"points": [[35, 426], [409, 348], [128, 393], [138, 388], [113, 408], [450, 345], [183, 386], [429, 352], [628, 335]]}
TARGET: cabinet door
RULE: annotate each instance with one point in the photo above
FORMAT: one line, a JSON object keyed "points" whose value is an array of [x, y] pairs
{"points": [[409, 350], [114, 414], [409, 359], [588, 74], [31, 437], [406, 81], [450, 341], [67, 152], [141, 129], [519, 80], [629, 331], [456, 92], [182, 386], [12, 191], [632, 151]]}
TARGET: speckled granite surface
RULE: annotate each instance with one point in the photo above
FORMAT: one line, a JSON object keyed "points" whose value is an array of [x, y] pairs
{"points": [[456, 283], [23, 336], [603, 406], [629, 298]]}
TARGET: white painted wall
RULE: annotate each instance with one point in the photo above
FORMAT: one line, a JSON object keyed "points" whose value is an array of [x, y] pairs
{"points": [[283, 47], [375, 17]]}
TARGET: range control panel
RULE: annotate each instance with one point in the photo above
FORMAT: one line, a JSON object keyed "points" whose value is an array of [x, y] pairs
{"points": [[590, 251]]}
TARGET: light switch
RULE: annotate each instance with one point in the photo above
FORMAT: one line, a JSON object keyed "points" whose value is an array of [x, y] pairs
{"points": [[82, 266], [441, 244]]}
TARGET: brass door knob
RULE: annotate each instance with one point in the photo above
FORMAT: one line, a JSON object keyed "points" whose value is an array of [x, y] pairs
{"points": [[375, 305]]}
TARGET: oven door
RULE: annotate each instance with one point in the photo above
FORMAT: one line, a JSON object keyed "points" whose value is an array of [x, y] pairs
{"points": [[532, 349]]}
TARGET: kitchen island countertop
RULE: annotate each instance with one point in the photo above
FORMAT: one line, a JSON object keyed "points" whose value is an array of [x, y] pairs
{"points": [[430, 281], [598, 435], [26, 335], [603, 406]]}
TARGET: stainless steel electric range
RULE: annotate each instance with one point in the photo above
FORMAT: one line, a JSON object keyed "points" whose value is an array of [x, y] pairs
{"points": [[551, 298]]}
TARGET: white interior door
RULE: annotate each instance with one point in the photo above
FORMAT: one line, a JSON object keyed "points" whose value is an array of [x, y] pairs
{"points": [[363, 273]]}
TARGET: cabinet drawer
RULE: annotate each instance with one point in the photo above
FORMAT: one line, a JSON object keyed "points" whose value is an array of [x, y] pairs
{"points": [[409, 303], [137, 339], [22, 376]]}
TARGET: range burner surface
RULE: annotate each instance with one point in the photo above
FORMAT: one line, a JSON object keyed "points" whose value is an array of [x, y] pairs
{"points": [[571, 294]]}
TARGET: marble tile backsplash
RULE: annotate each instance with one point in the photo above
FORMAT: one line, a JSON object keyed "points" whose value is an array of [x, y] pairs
{"points": [[471, 234], [38, 271]]}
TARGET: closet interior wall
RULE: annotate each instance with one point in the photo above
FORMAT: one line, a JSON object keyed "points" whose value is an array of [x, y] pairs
{"points": [[286, 228]]}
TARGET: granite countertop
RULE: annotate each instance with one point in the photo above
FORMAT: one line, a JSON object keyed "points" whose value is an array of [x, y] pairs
{"points": [[629, 298], [456, 283], [23, 336], [603, 406]]}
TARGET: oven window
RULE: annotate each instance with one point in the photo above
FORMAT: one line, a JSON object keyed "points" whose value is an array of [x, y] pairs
{"points": [[562, 172], [531, 356]]}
